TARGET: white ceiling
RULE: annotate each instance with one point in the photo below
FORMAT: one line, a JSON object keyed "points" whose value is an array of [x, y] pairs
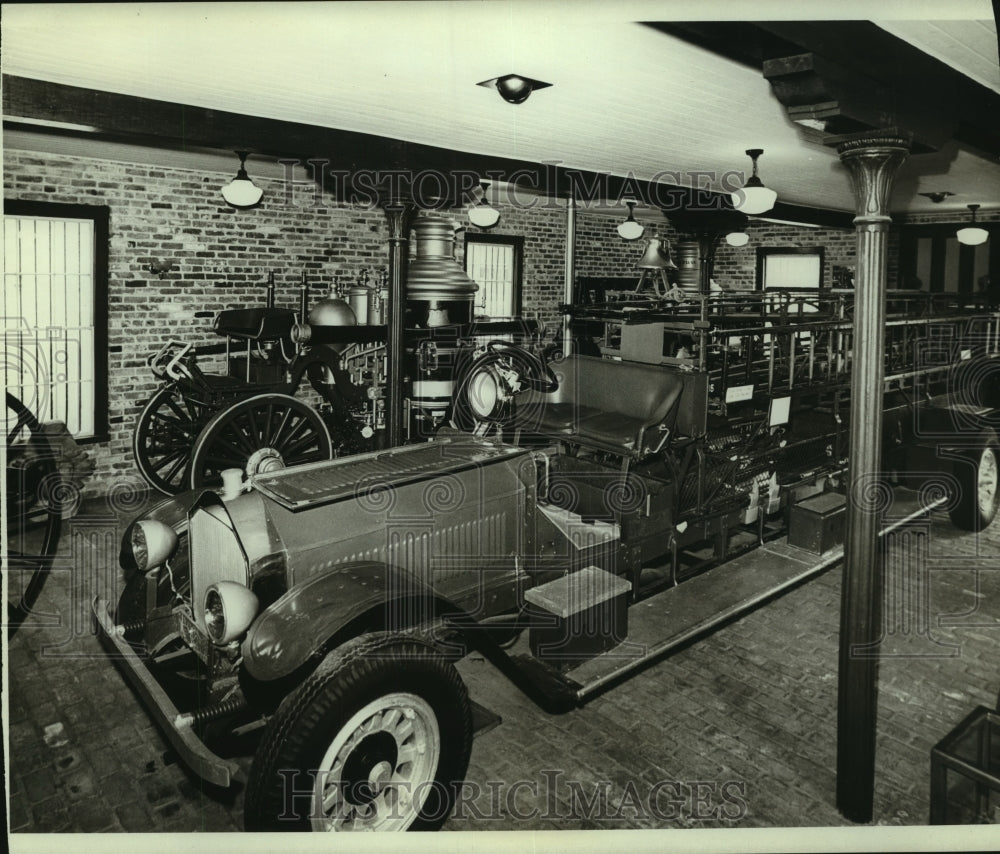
{"points": [[624, 97]]}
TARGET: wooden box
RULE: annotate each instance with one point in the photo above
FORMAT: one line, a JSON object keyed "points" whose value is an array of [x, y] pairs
{"points": [[817, 524]]}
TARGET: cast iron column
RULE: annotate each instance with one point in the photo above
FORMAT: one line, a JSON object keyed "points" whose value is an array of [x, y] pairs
{"points": [[708, 242], [569, 272], [872, 161], [399, 216]]}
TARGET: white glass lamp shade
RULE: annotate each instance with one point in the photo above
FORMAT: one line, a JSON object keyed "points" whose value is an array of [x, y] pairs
{"points": [[737, 238], [972, 236], [484, 215], [630, 229], [754, 197], [241, 192], [754, 200]]}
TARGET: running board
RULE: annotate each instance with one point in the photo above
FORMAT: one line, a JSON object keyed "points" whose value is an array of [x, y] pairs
{"points": [[674, 617]]}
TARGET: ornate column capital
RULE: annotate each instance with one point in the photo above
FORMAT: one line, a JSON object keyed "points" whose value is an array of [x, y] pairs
{"points": [[872, 160], [399, 214]]}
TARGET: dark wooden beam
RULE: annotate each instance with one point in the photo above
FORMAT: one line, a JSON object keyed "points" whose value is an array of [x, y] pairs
{"points": [[828, 98], [810, 216], [905, 83]]}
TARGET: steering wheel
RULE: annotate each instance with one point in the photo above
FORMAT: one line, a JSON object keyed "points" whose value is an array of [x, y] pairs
{"points": [[534, 370]]}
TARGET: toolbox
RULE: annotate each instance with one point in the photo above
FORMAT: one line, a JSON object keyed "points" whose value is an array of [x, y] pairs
{"points": [[817, 524], [577, 616]]}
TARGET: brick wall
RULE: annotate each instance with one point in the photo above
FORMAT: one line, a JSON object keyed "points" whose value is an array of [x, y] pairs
{"points": [[222, 258], [543, 227], [601, 252]]}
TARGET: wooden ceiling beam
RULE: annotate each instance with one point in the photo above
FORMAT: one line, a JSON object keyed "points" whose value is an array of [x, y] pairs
{"points": [[875, 78]]}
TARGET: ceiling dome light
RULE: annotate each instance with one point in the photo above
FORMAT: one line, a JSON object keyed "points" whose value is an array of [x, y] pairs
{"points": [[938, 196], [483, 214], [754, 197], [630, 229], [241, 192], [972, 235], [514, 88], [737, 238]]}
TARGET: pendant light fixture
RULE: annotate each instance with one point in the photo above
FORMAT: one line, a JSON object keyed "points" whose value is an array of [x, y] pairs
{"points": [[630, 229], [241, 192], [737, 238], [754, 197], [483, 214], [972, 235]]}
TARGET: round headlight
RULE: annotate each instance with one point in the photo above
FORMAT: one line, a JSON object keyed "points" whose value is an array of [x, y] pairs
{"points": [[229, 611], [484, 393], [151, 544]]}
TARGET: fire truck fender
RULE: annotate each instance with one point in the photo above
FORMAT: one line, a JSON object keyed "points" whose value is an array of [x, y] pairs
{"points": [[351, 599]]}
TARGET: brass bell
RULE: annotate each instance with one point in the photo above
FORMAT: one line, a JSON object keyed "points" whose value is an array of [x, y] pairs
{"points": [[657, 255]]}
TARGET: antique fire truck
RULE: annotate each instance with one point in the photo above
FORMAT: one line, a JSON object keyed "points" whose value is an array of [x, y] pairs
{"points": [[310, 385], [576, 518]]}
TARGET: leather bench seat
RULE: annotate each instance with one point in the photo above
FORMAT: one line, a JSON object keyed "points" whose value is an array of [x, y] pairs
{"points": [[553, 417], [623, 407]]}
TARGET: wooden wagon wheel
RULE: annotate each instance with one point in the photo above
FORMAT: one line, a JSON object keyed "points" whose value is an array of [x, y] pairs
{"points": [[167, 428], [261, 433], [34, 512]]}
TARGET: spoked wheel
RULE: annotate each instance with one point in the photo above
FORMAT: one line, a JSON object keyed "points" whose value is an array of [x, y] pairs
{"points": [[163, 436], [260, 434], [378, 738], [34, 516], [977, 484]]}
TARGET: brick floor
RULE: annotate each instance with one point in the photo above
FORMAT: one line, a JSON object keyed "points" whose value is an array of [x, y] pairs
{"points": [[737, 730]]}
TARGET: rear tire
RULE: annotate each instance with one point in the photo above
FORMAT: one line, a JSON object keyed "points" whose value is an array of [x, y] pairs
{"points": [[978, 497], [377, 738]]}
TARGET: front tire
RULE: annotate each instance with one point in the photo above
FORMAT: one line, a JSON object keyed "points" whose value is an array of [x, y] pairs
{"points": [[377, 738], [978, 497]]}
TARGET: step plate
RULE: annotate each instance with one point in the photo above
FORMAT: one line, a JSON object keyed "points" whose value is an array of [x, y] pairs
{"points": [[673, 617]]}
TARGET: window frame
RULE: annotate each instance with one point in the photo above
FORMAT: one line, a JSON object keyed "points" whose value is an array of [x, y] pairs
{"points": [[100, 215], [764, 252], [514, 240]]}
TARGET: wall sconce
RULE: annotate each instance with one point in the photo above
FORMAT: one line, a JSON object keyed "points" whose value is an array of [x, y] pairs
{"points": [[514, 88], [737, 238], [483, 214], [241, 192], [754, 197], [630, 229], [160, 267], [972, 235]]}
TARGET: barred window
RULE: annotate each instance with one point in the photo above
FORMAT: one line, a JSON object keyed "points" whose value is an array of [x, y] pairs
{"points": [[494, 262], [55, 313]]}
